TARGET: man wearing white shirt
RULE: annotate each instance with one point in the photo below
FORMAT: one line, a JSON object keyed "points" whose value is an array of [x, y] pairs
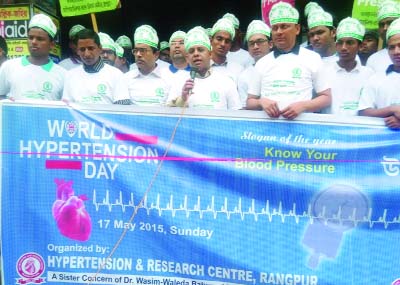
{"points": [[289, 74], [347, 74], [148, 84], [209, 89], [322, 35], [179, 69], [259, 44], [94, 82], [381, 97], [34, 77], [236, 53], [388, 11], [222, 34]]}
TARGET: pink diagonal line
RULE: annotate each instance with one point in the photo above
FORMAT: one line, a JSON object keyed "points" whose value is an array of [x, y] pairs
{"points": [[136, 138], [64, 164], [192, 159]]}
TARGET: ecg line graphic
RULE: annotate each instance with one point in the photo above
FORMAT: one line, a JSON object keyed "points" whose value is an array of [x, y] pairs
{"points": [[200, 209]]}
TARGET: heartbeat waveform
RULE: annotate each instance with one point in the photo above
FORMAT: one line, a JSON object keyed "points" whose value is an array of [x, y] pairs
{"points": [[267, 211]]}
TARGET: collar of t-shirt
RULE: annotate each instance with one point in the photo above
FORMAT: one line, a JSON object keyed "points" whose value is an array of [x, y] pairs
{"points": [[295, 50], [47, 67], [155, 72], [207, 74], [95, 67], [391, 69], [75, 60], [225, 63], [356, 68], [173, 69]]}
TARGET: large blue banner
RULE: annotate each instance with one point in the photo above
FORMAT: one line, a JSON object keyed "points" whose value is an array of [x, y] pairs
{"points": [[107, 197]]}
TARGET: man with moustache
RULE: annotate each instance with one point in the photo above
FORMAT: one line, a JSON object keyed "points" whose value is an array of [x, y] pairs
{"points": [[148, 85], [94, 82]]}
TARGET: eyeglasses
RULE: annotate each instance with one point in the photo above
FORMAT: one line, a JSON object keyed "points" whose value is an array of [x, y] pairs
{"points": [[141, 50], [258, 42]]}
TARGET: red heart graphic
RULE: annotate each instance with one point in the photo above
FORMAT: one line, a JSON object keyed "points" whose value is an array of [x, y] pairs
{"points": [[73, 221]]}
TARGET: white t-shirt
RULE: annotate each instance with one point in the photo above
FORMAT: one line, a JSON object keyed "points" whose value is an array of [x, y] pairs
{"points": [[217, 92], [290, 77], [379, 61], [244, 81], [69, 63], [382, 90], [241, 57], [92, 88], [146, 90], [346, 88], [228, 68], [22, 80], [177, 77]]}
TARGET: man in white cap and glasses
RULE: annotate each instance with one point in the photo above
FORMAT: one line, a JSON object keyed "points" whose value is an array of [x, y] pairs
{"points": [[347, 74], [289, 74], [236, 53], [381, 97], [222, 35], [147, 84], [34, 77], [73, 60], [94, 82], [259, 44], [209, 89], [388, 11], [108, 52], [321, 34]]}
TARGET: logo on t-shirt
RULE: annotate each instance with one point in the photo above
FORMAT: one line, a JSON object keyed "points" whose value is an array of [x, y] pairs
{"points": [[47, 87], [296, 72], [160, 92], [214, 96], [101, 89]]}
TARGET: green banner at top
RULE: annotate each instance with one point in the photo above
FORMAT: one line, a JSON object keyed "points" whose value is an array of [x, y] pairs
{"points": [[366, 11], [81, 7]]}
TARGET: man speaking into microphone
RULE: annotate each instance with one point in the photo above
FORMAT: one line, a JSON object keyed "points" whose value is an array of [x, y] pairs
{"points": [[207, 88]]}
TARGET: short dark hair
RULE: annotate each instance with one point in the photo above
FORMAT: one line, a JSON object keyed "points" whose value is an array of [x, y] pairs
{"points": [[3, 45], [87, 34]]}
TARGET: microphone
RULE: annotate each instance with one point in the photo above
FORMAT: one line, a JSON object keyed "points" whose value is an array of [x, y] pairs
{"points": [[193, 72]]}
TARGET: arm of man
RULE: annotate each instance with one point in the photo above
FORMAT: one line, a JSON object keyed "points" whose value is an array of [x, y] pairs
{"points": [[258, 103], [322, 100], [181, 101], [4, 84], [391, 115]]}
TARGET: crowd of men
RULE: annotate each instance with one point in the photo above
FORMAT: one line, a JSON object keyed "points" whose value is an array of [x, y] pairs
{"points": [[337, 71]]}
